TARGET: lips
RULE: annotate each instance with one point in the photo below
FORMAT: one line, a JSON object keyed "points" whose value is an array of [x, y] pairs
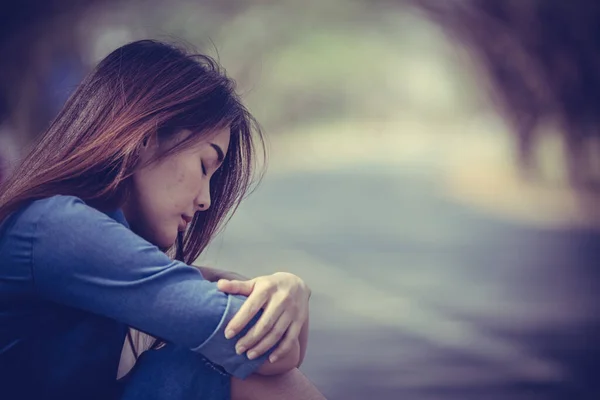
{"points": [[185, 220]]}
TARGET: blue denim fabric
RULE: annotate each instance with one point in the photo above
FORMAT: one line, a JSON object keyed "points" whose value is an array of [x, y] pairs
{"points": [[175, 373], [73, 278]]}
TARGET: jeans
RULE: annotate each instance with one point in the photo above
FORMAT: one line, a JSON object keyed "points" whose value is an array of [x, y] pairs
{"points": [[175, 373]]}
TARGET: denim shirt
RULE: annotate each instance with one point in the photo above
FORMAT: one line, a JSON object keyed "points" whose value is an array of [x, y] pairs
{"points": [[72, 279]]}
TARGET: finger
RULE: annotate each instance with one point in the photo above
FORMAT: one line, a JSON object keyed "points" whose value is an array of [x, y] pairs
{"points": [[244, 288], [266, 322], [223, 284], [271, 339], [292, 334], [246, 312]]}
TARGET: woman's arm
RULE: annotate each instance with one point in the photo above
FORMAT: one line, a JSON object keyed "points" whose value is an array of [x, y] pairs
{"points": [[293, 359], [80, 257], [295, 356], [284, 298]]}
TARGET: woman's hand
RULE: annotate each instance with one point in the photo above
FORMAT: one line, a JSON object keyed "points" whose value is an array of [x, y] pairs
{"points": [[284, 298]]}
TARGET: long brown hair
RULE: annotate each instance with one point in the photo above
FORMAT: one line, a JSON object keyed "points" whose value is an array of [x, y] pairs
{"points": [[142, 89]]}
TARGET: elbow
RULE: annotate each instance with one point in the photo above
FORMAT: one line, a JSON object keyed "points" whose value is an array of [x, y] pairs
{"points": [[289, 362]]}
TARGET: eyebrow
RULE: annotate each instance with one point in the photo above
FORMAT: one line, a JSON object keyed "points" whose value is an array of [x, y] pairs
{"points": [[220, 155]]}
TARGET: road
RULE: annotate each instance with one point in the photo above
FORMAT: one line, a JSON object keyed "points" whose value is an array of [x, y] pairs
{"points": [[418, 297]]}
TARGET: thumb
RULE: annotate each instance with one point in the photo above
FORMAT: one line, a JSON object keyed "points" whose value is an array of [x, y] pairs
{"points": [[236, 287]]}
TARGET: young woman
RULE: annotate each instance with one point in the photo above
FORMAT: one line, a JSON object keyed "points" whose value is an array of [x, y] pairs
{"points": [[148, 158]]}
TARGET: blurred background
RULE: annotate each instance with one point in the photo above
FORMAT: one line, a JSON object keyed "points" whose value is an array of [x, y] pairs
{"points": [[433, 174]]}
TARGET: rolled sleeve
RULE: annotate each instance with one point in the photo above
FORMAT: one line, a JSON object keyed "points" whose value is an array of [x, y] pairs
{"points": [[221, 350]]}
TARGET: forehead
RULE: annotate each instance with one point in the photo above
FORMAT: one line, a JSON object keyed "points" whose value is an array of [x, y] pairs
{"points": [[219, 136]]}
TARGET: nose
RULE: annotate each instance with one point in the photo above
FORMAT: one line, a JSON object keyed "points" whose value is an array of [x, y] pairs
{"points": [[203, 199]]}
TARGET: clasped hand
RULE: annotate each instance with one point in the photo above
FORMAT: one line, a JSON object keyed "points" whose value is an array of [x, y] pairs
{"points": [[284, 300]]}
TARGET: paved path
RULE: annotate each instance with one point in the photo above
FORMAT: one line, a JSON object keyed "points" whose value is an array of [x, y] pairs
{"points": [[416, 297]]}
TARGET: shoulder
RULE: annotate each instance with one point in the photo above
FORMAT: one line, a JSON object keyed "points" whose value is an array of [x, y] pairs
{"points": [[57, 217], [65, 233], [58, 205], [29, 215], [50, 217], [62, 212]]}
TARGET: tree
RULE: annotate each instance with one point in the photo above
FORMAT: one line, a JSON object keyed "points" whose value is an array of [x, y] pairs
{"points": [[542, 58]]}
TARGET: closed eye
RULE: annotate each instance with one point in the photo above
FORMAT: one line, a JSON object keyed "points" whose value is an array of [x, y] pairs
{"points": [[203, 168]]}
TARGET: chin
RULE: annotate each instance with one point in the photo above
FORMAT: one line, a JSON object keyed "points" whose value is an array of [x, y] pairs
{"points": [[163, 239], [166, 240], [170, 241]]}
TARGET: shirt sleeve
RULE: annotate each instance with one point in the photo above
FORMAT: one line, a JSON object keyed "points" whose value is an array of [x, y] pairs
{"points": [[84, 259], [217, 347]]}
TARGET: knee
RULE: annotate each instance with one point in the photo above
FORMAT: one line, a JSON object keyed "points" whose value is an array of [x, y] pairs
{"points": [[290, 385]]}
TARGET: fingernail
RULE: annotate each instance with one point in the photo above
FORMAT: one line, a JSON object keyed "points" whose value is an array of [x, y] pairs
{"points": [[229, 333], [240, 349], [251, 355], [272, 359]]}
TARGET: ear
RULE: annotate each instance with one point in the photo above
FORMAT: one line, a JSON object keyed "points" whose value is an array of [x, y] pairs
{"points": [[147, 150], [150, 141]]}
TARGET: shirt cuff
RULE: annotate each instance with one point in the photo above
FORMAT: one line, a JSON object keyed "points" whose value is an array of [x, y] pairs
{"points": [[221, 350]]}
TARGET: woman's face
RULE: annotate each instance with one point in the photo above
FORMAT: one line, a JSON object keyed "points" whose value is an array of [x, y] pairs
{"points": [[166, 194]]}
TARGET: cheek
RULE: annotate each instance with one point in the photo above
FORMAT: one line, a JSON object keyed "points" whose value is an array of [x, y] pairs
{"points": [[160, 195], [183, 186], [154, 189], [167, 190], [190, 180]]}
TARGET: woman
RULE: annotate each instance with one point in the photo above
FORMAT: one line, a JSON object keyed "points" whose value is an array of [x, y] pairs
{"points": [[148, 157]]}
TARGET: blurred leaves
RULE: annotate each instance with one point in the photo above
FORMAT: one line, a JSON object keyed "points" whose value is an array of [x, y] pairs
{"points": [[313, 62], [542, 59]]}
